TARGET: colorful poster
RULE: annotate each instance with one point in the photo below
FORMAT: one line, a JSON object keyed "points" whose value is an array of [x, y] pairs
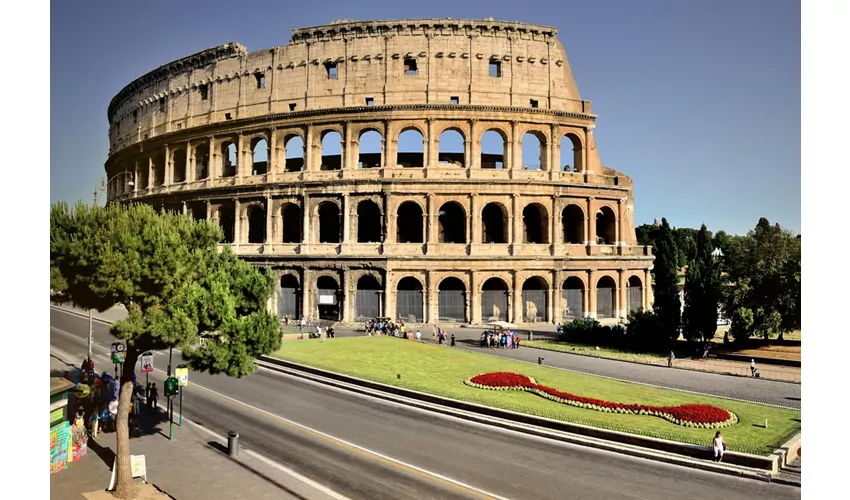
{"points": [[182, 375], [147, 362], [60, 447]]}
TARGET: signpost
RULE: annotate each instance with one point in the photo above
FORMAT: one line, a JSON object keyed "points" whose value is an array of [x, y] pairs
{"points": [[171, 389], [147, 365], [117, 349], [182, 373]]}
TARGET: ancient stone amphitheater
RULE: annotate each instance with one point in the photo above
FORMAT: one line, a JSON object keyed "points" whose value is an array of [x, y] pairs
{"points": [[377, 169]]}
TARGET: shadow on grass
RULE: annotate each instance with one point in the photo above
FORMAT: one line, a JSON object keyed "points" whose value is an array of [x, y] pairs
{"points": [[220, 447]]}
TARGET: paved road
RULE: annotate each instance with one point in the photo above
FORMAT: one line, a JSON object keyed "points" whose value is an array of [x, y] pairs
{"points": [[503, 463]]}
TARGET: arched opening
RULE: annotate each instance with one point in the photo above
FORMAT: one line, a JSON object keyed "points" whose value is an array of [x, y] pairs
{"points": [[634, 294], [605, 288], [535, 300], [227, 221], [494, 300], [571, 153], [294, 147], [256, 224], [202, 162], [198, 210], [493, 150], [331, 151], [535, 224], [159, 170], [260, 156], [572, 222], [368, 222], [291, 216], [494, 223], [229, 159], [179, 163], [144, 178], [572, 299], [452, 223], [411, 149], [329, 226], [370, 150], [289, 297], [533, 151], [367, 304], [410, 300], [606, 226], [328, 299], [451, 300], [409, 225], [452, 149]]}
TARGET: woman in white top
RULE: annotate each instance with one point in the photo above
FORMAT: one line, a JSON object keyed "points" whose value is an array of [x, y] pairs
{"points": [[719, 446]]}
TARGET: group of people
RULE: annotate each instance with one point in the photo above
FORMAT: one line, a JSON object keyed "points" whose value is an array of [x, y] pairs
{"points": [[97, 399], [503, 339]]}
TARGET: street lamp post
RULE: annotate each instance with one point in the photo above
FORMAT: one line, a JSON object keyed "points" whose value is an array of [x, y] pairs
{"points": [[97, 191]]}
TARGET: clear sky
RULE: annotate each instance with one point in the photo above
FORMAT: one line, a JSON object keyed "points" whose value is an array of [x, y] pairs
{"points": [[699, 102]]}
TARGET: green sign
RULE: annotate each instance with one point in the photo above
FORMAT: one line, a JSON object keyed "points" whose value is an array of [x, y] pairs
{"points": [[170, 387], [118, 352]]}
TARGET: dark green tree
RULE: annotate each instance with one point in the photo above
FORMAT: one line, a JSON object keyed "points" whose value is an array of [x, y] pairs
{"points": [[177, 288], [702, 291], [667, 305]]}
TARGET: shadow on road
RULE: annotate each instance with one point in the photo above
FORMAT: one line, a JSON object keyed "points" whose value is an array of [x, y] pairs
{"points": [[220, 447]]}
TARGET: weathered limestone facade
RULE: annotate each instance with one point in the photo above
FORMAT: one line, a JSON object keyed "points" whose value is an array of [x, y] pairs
{"points": [[423, 234]]}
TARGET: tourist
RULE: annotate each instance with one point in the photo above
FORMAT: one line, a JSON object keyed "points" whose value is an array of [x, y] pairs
{"points": [[670, 359], [418, 335], [95, 421], [719, 447], [453, 340], [753, 367], [113, 410], [153, 401]]}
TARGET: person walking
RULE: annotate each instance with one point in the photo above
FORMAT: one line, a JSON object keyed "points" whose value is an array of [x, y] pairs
{"points": [[753, 367], [148, 396], [113, 411], [153, 402], [453, 340], [418, 335], [95, 421], [719, 447], [670, 359]]}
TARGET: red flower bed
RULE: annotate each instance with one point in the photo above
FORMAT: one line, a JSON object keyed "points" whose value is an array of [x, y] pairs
{"points": [[691, 415]]}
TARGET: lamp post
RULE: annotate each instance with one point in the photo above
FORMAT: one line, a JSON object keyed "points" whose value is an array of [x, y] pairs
{"points": [[97, 191]]}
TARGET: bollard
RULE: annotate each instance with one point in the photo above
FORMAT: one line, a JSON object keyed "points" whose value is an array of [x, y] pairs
{"points": [[398, 376], [232, 443], [539, 361]]}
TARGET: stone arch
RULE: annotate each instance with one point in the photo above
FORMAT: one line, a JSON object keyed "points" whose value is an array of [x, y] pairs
{"points": [[331, 149], [290, 214], [410, 300], [367, 297], [410, 227], [493, 148], [451, 300], [535, 224], [494, 299], [606, 289], [202, 161], [289, 296], [535, 299], [571, 143], [259, 155], [329, 298], [330, 229], [369, 224], [178, 161], [606, 226], [158, 160], [494, 223], [409, 154], [634, 294], [452, 223], [229, 158], [293, 144], [572, 224], [227, 221], [451, 139], [535, 149], [256, 216], [572, 298], [369, 148]]}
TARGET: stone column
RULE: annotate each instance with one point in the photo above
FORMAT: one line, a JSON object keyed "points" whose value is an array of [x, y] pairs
{"points": [[347, 302], [431, 228], [621, 217], [151, 181], [185, 210], [385, 142], [558, 296], [555, 157], [190, 162], [272, 157], [590, 221], [622, 298], [474, 146], [136, 176], [309, 151], [305, 223], [242, 167], [237, 222], [515, 149], [389, 298], [647, 290], [592, 294], [475, 221], [343, 148], [346, 220], [214, 168], [431, 294], [209, 209], [307, 293], [516, 241], [431, 157], [550, 305], [517, 303], [554, 218], [467, 154], [475, 286], [269, 240], [169, 168], [348, 145], [467, 305]]}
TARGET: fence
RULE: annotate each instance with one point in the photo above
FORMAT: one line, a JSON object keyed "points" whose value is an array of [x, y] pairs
{"points": [[494, 305], [635, 298], [604, 303], [287, 304], [367, 304], [452, 305], [409, 306], [534, 305], [573, 307]]}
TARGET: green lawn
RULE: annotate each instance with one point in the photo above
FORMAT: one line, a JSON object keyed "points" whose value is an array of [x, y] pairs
{"points": [[589, 350], [442, 370]]}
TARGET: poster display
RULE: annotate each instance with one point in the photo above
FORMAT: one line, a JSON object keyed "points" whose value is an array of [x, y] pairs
{"points": [[60, 447], [182, 375], [147, 362]]}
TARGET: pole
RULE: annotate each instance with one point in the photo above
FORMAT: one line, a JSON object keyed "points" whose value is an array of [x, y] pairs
{"points": [[90, 333], [170, 349], [171, 418], [181, 408]]}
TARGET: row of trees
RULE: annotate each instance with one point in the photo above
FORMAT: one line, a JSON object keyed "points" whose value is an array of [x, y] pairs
{"points": [[177, 287], [756, 282]]}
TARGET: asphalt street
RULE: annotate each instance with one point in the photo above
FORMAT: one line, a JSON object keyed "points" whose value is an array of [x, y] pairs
{"points": [[371, 449]]}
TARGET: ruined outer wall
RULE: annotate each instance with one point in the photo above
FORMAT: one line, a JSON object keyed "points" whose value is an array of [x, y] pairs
{"points": [[452, 58]]}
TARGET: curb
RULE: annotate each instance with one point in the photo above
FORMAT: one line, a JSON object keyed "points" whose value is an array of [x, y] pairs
{"points": [[503, 419]]}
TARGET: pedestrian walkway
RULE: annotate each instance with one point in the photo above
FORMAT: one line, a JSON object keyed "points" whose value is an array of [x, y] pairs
{"points": [[193, 466]]}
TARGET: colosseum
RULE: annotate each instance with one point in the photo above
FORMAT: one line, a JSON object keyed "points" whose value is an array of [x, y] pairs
{"points": [[382, 168]]}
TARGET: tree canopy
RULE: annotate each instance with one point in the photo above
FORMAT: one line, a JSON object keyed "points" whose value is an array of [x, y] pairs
{"points": [[702, 291], [668, 305]]}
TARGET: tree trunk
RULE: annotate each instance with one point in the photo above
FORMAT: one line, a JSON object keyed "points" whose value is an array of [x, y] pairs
{"points": [[122, 428]]}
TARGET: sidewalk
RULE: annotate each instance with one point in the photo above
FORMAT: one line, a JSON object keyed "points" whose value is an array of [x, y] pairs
{"points": [[193, 466]]}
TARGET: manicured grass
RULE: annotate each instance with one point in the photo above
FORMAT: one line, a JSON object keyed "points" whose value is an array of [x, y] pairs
{"points": [[603, 352], [442, 370]]}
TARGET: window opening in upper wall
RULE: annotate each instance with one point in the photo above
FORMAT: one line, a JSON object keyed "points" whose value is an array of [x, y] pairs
{"points": [[291, 106], [534, 103], [370, 101], [203, 90], [162, 104], [261, 80], [135, 115], [496, 69], [454, 100], [331, 68], [409, 66], [227, 116]]}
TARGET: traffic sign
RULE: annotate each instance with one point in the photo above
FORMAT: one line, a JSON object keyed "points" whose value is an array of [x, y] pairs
{"points": [[147, 362], [182, 374]]}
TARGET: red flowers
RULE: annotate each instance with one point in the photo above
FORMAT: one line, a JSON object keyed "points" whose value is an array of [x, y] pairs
{"points": [[690, 415]]}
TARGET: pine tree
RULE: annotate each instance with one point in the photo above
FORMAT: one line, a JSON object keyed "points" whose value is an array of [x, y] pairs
{"points": [[668, 305], [702, 291]]}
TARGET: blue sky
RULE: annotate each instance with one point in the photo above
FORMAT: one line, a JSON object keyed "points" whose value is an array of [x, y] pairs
{"points": [[699, 102]]}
